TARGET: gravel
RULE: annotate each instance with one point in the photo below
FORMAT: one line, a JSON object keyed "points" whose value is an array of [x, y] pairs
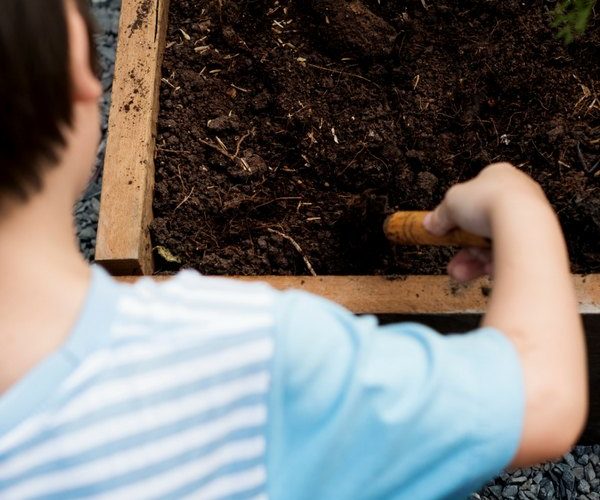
{"points": [[576, 476], [86, 211]]}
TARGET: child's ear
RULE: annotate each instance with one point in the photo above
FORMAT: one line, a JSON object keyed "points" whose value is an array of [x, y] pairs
{"points": [[85, 84]]}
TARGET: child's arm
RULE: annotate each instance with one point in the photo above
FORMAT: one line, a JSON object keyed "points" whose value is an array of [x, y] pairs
{"points": [[533, 300]]}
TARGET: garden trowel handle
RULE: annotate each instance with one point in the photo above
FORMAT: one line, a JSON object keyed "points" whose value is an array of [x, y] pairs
{"points": [[406, 228]]}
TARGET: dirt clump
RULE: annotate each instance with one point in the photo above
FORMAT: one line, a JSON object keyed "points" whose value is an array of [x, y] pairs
{"points": [[351, 29]]}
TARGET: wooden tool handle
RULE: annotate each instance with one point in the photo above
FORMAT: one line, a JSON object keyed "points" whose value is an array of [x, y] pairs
{"points": [[406, 228]]}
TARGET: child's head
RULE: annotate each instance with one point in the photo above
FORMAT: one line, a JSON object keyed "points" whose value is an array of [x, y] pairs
{"points": [[48, 95]]}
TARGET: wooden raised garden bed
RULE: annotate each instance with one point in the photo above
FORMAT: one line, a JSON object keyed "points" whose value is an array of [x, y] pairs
{"points": [[124, 244]]}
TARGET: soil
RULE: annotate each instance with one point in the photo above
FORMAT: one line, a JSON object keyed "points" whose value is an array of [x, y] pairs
{"points": [[288, 130]]}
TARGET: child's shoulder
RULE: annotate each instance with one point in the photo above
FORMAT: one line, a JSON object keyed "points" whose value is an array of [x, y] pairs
{"points": [[192, 288], [191, 306]]}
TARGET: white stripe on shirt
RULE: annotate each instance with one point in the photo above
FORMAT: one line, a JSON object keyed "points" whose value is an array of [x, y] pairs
{"points": [[162, 484], [163, 378], [181, 314], [144, 455], [132, 423]]}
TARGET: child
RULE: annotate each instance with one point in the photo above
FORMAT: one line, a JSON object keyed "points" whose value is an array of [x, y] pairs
{"points": [[209, 388]]}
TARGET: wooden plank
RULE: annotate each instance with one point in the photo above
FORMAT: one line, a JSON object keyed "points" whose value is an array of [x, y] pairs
{"points": [[410, 294], [123, 244]]}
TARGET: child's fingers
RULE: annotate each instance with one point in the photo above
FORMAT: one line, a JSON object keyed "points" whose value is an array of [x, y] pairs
{"points": [[469, 264], [439, 222], [483, 254], [465, 270]]}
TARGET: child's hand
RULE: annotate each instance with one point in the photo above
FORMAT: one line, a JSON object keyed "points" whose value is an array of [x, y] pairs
{"points": [[472, 205], [533, 301]]}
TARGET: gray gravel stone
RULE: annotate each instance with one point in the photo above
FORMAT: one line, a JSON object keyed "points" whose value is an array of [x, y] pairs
{"points": [[575, 477], [570, 459], [547, 489], [568, 478], [584, 459], [518, 479], [106, 13], [510, 491], [496, 491], [583, 486], [590, 473]]}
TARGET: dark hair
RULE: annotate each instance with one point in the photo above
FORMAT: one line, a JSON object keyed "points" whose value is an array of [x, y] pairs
{"points": [[35, 89]]}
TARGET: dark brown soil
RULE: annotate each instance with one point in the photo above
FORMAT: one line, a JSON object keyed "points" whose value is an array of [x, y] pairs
{"points": [[315, 119]]}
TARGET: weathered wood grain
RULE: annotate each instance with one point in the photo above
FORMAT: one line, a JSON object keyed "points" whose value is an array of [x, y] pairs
{"points": [[409, 294], [123, 243]]}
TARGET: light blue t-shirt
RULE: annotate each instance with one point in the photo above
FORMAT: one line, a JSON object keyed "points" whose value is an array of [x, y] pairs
{"points": [[211, 388]]}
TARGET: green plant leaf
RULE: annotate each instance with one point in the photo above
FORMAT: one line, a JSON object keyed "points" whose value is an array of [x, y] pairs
{"points": [[571, 17]]}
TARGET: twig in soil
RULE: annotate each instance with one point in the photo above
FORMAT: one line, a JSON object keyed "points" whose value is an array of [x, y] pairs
{"points": [[240, 88], [416, 80], [587, 94], [242, 139], [274, 200], [379, 160], [289, 115], [245, 165], [563, 164], [340, 72], [590, 170], [216, 148], [185, 199], [180, 179], [222, 145], [301, 204], [164, 80], [582, 159], [221, 148], [297, 247], [185, 35], [335, 137], [353, 160], [541, 154]]}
